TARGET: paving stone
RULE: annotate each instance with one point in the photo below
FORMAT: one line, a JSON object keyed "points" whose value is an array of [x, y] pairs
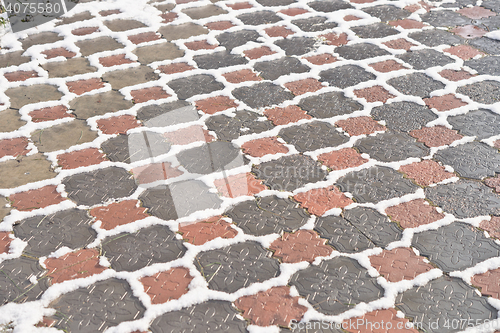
{"points": [[216, 104], [152, 172], [218, 60], [399, 264], [14, 147], [465, 199], [272, 3], [219, 25], [34, 199], [182, 31], [242, 123], [20, 75], [195, 85], [453, 75], [168, 17], [117, 125], [84, 31], [289, 172], [387, 66], [267, 215], [469, 31], [480, 123], [312, 136], [345, 76], [486, 65], [399, 44], [286, 115], [143, 37], [91, 188], [40, 38], [177, 67], [374, 94], [444, 102], [444, 18], [109, 12], [201, 232], [492, 4], [24, 170], [376, 30], [5, 239], [486, 283], [262, 94], [407, 24], [5, 209], [84, 16], [293, 11], [433, 38], [423, 59], [360, 125], [243, 75], [93, 308], [388, 316], [333, 293], [236, 266], [82, 86], [303, 86], [21, 96], [200, 45], [167, 114], [119, 213], [13, 59], [279, 31], [117, 149], [464, 52], [421, 303], [321, 59], [487, 92], [73, 265], [296, 45], [240, 5], [414, 213], [329, 104], [342, 235], [63, 136], [377, 227], [417, 84], [391, 146], [387, 12], [230, 40], [218, 315], [320, 200], [157, 52], [129, 77], [212, 157], [375, 184], [197, 13], [99, 44], [148, 94], [258, 18], [493, 183], [327, 6], [360, 51], [314, 23], [342, 159], [15, 280], [258, 52], [334, 39], [271, 70], [403, 116], [435, 136], [165, 286], [487, 45], [302, 245], [47, 233], [348, 18]]}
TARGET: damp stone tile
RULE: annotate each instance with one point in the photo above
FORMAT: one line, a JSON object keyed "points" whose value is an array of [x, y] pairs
{"points": [[327, 6], [360, 51], [321, 59], [286, 115], [329, 104], [390, 318], [173, 32], [13, 59], [165, 286], [387, 12], [258, 52], [360, 125], [218, 60], [296, 45], [314, 24], [40, 39], [444, 102], [100, 44], [320, 200], [436, 37], [303, 86], [424, 59], [272, 70], [342, 159], [445, 18], [117, 125], [399, 44], [158, 52], [82, 86], [197, 13], [264, 146], [215, 104], [436, 136], [376, 30], [198, 233], [14, 147], [413, 213], [243, 75], [374, 94], [233, 39], [73, 265], [259, 17], [391, 146], [262, 95], [312, 136], [342, 235], [70, 67], [50, 113], [148, 94], [399, 264], [387, 66], [486, 92], [238, 185], [58, 52], [21, 96], [454, 75], [403, 116]]}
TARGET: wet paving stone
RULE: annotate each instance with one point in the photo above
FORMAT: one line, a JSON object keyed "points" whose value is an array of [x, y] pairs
{"points": [[157, 52], [391, 146], [360, 51], [423, 59], [387, 12], [328, 6], [116, 149], [262, 94], [328, 105], [320, 200], [345, 76], [487, 92], [173, 32], [445, 18], [218, 60], [271, 70], [296, 45], [417, 84], [242, 123], [403, 116], [195, 85], [314, 23], [376, 30], [258, 18], [236, 266], [268, 215], [480, 123], [342, 235], [433, 38], [204, 12], [230, 40], [312, 136]]}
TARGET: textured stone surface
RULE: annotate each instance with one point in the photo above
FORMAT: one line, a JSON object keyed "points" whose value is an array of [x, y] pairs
{"points": [[435, 136], [345, 76], [98, 104], [399, 264], [262, 94], [312, 136], [218, 60], [63, 136], [73, 265], [487, 92], [194, 85], [238, 185], [69, 67], [376, 30], [286, 115], [391, 146], [129, 77], [165, 286], [342, 235], [328, 105], [417, 84], [374, 94], [100, 44], [486, 282], [15, 283], [185, 30], [199, 233], [479, 123], [34, 199], [423, 59], [230, 40], [296, 45], [413, 213], [271, 70], [119, 213], [342, 159], [303, 245], [426, 172], [264, 146], [360, 125], [360, 51], [24, 170], [403, 116], [242, 123], [319, 201], [22, 96]]}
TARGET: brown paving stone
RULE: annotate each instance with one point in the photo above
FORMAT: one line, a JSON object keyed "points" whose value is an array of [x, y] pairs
{"points": [[82, 86], [119, 213], [20, 75], [188, 135], [84, 31], [63, 136], [5, 207], [286, 115], [493, 182], [219, 25], [426, 172], [258, 52], [21, 96], [348, 18], [168, 17], [128, 77], [374, 94], [342, 159], [303, 245], [436, 136], [98, 104], [182, 31], [99, 44], [303, 86], [399, 264], [239, 185], [50, 113], [153, 172], [407, 24], [201, 232], [46, 322], [469, 31], [109, 12], [492, 226], [200, 45], [165, 286], [5, 241], [385, 318], [215, 104], [335, 39], [197, 13], [157, 52], [293, 11], [10, 120], [360, 125], [69, 67], [115, 60], [464, 52], [264, 146], [177, 67], [81, 158], [40, 38], [148, 94], [74, 265], [241, 76], [14, 147], [361, 1], [387, 66], [454, 75], [34, 199], [117, 125], [476, 12], [123, 25], [399, 44], [413, 213], [240, 5], [84, 16], [58, 52], [321, 59], [143, 37], [488, 282], [319, 201], [274, 306], [278, 31]]}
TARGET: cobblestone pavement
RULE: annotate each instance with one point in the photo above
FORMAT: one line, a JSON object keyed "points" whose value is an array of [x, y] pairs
{"points": [[252, 166]]}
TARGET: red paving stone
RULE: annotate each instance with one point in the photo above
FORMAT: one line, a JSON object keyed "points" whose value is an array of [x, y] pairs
{"points": [[488, 282], [476, 12], [220, 25], [14, 147], [399, 264], [117, 125], [109, 12], [492, 226], [215, 104], [319, 201], [168, 17], [321, 59], [81, 158], [274, 306], [188, 135], [46, 322], [119, 213], [436, 136], [413, 8], [374, 94], [361, 1], [177, 67], [200, 45], [407, 24], [74, 265], [454, 75], [494, 183], [144, 37], [166, 286], [115, 60], [258, 52], [148, 94], [204, 231], [286, 115], [240, 5], [264, 146], [303, 86], [5, 241], [342, 159], [84, 31], [387, 320], [348, 18], [426, 172], [414, 213], [302, 245], [496, 144], [444, 103], [469, 31], [464, 52], [82, 86], [293, 11], [387, 66], [50, 113], [153, 172], [360, 125], [399, 44], [58, 52], [241, 76], [279, 31], [239, 185], [335, 39], [20, 75], [34, 199]]}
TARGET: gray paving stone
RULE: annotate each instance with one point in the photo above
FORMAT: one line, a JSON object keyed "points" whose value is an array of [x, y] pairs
{"points": [[360, 51], [336, 285], [236, 266], [133, 251], [21, 96], [486, 65], [99, 44], [327, 6], [423, 59], [480, 123], [123, 25], [474, 160], [314, 23], [403, 116], [116, 149], [91, 188], [267, 215], [375, 184], [387, 12], [376, 30], [131, 76], [191, 196], [391, 146], [465, 199], [63, 136], [445, 300], [262, 95], [40, 39], [342, 235], [24, 170], [487, 92], [417, 84], [217, 315], [167, 114], [197, 13], [76, 18], [445, 18], [243, 122], [494, 5], [289, 172], [15, 284], [158, 52], [69, 67], [486, 44], [218, 60], [135, 147], [181, 31], [329, 105], [195, 85], [314, 327], [272, 3], [491, 23], [271, 70], [259, 17], [230, 40], [159, 202], [13, 59], [436, 37], [296, 45], [94, 308], [47, 233], [312, 136], [345, 76], [85, 107]]}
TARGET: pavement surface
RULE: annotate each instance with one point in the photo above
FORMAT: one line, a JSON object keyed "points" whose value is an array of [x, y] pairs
{"points": [[252, 166]]}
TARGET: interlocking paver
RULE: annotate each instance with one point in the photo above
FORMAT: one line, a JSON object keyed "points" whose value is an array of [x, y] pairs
{"points": [[319, 201], [296, 45], [403, 116], [15, 282], [399, 264], [286, 115], [487, 92], [417, 84], [199, 233], [168, 285], [119, 213], [73, 265], [328, 105], [436, 136], [25, 170], [89, 106], [194, 85], [312, 136], [303, 245], [426, 172], [413, 213], [241, 123], [391, 146], [22, 96], [34, 199], [342, 159], [63, 136], [129, 77], [342, 235], [345, 76]]}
